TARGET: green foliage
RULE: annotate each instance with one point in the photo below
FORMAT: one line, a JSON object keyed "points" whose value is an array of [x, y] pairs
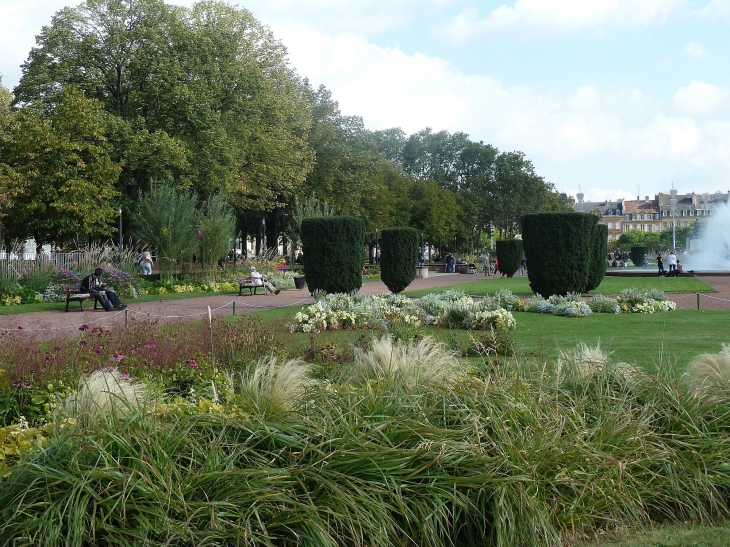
{"points": [[217, 223], [599, 255], [332, 248], [57, 174], [509, 253], [637, 254], [558, 247], [165, 220], [639, 237], [399, 257]]}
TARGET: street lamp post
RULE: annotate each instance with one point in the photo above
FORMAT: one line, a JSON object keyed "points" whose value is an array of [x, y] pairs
{"points": [[673, 205], [120, 234]]}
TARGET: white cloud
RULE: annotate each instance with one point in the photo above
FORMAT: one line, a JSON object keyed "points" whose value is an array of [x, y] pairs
{"points": [[716, 8], [564, 15], [700, 98], [338, 16], [591, 126], [693, 49]]}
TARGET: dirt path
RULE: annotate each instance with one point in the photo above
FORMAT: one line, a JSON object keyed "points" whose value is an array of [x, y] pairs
{"points": [[59, 324]]}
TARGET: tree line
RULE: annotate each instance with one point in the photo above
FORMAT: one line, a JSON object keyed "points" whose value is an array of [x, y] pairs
{"points": [[119, 95]]}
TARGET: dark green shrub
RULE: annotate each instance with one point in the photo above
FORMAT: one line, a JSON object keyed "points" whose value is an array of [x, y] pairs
{"points": [[599, 256], [509, 254], [398, 257], [332, 248], [637, 254], [558, 247]]}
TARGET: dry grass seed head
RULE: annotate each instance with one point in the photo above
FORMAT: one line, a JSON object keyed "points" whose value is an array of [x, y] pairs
{"points": [[270, 384], [709, 371], [424, 362], [102, 392]]}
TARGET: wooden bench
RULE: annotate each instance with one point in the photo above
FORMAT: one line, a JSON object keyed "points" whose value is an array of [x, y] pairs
{"points": [[73, 294], [246, 284]]}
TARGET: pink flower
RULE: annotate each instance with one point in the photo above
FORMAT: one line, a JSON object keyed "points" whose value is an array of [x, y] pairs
{"points": [[84, 327], [192, 362], [111, 368], [118, 357], [97, 351], [20, 328], [125, 375]]}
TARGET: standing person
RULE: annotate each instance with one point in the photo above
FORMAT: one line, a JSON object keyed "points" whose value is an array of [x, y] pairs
{"points": [[645, 262], [672, 263], [523, 265], [660, 263], [106, 297], [496, 266], [257, 278], [146, 263]]}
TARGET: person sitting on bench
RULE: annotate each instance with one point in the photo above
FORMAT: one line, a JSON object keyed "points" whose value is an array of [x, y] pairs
{"points": [[257, 278], [106, 297]]}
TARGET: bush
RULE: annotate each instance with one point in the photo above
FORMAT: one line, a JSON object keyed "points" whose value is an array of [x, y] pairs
{"points": [[558, 247], [332, 248], [637, 254], [597, 270], [509, 253], [399, 257]]}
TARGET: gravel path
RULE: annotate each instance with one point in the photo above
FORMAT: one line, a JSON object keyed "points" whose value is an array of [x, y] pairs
{"points": [[59, 324]]}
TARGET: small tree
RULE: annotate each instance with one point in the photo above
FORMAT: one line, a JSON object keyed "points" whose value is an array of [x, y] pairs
{"points": [[509, 253], [217, 224], [637, 254], [399, 256], [333, 249], [558, 247], [166, 220]]}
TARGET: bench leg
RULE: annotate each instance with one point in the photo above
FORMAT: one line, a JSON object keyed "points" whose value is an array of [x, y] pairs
{"points": [[67, 302]]}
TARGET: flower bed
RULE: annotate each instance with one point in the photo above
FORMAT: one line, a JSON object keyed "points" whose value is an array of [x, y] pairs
{"points": [[450, 309]]}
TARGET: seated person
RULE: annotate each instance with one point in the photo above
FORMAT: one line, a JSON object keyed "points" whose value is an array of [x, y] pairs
{"points": [[106, 297], [257, 278]]}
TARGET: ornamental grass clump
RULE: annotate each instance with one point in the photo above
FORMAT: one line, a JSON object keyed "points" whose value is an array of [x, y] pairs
{"points": [[425, 362], [584, 363], [269, 386], [104, 392], [709, 372]]}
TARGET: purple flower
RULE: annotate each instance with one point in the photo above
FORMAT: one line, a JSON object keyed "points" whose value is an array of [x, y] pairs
{"points": [[192, 362], [20, 328], [111, 368], [97, 351], [84, 327], [118, 357], [125, 375]]}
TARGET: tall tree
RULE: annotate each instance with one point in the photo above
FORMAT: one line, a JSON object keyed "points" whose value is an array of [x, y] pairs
{"points": [[57, 178], [203, 95]]}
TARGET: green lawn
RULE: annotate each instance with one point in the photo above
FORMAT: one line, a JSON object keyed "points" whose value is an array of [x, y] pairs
{"points": [[641, 339], [520, 286], [666, 536]]}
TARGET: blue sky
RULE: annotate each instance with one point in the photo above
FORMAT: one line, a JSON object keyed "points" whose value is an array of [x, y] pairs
{"points": [[618, 97]]}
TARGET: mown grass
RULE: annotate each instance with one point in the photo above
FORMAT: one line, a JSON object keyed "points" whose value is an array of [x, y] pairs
{"points": [[520, 286]]}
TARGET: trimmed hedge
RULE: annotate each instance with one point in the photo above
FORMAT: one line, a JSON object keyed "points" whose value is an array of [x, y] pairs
{"points": [[637, 254], [558, 247], [398, 257], [332, 253], [597, 270], [509, 253]]}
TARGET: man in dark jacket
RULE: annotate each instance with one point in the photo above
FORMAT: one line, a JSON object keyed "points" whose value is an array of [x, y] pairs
{"points": [[107, 298]]}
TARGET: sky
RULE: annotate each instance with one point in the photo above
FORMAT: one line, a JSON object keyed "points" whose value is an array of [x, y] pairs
{"points": [[614, 98]]}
